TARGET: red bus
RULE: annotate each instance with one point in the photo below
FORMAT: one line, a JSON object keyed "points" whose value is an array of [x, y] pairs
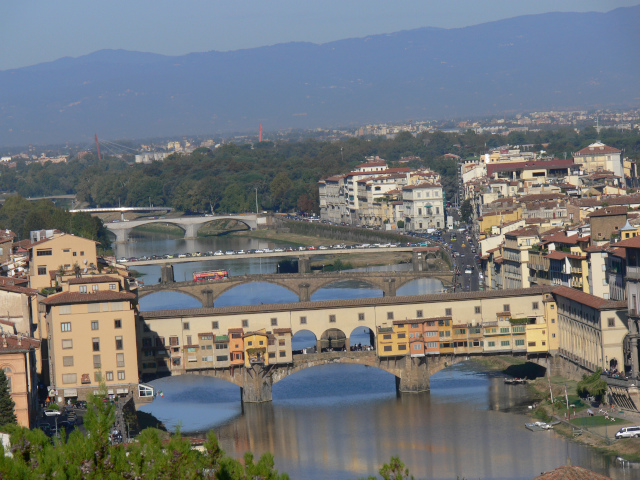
{"points": [[210, 275]]}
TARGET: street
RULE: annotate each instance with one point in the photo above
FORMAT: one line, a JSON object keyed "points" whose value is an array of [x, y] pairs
{"points": [[462, 250]]}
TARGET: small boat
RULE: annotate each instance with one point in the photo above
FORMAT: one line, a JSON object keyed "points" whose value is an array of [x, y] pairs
{"points": [[515, 381], [538, 426]]}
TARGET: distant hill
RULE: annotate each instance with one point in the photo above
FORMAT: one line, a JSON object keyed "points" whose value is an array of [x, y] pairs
{"points": [[535, 62]]}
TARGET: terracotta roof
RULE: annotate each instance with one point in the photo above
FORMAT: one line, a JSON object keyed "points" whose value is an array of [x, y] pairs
{"points": [[236, 330], [248, 334], [589, 300], [355, 303], [19, 289], [419, 320], [530, 165], [523, 232], [606, 211], [93, 279], [14, 281], [633, 242], [17, 343], [372, 164], [571, 473], [281, 330], [597, 149], [561, 238], [557, 255], [65, 298]]}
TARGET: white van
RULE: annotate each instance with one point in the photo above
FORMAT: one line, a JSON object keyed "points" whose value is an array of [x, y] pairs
{"points": [[628, 432]]}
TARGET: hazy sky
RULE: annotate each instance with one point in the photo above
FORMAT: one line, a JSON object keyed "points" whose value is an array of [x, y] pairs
{"points": [[35, 31]]}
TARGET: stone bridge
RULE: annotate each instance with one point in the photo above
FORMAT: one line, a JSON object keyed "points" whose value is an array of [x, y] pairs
{"points": [[412, 373], [190, 225], [302, 284]]}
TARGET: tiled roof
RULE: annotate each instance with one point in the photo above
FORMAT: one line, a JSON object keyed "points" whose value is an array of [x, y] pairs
{"points": [[93, 279], [66, 298], [422, 185], [606, 211], [372, 164], [557, 255], [633, 242], [523, 232], [14, 281], [355, 303], [530, 165], [19, 289], [597, 149], [589, 300], [17, 343], [281, 330], [571, 473], [419, 320]]}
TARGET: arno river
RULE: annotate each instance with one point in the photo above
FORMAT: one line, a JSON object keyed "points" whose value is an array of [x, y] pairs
{"points": [[345, 421]]}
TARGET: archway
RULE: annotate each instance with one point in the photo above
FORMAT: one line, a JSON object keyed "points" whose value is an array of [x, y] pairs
{"points": [[421, 286], [222, 226], [333, 340], [158, 229], [303, 342], [362, 339], [346, 290], [255, 293], [168, 300]]}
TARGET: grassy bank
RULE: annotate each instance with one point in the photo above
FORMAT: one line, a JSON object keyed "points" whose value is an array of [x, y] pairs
{"points": [[221, 227], [596, 431], [167, 229]]}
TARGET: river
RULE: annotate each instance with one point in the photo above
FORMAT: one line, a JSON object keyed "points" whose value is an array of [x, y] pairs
{"points": [[344, 421]]}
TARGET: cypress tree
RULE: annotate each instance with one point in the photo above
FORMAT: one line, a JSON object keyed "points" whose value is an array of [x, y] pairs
{"points": [[7, 405]]}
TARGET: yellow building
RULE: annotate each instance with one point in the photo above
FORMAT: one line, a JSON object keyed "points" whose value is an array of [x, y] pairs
{"points": [[255, 348], [65, 251], [92, 337]]}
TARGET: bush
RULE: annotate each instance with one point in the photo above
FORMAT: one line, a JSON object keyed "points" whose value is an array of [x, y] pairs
{"points": [[592, 385]]}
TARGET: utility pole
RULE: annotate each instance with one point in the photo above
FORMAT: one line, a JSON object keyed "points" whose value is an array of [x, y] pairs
{"points": [[256, 200]]}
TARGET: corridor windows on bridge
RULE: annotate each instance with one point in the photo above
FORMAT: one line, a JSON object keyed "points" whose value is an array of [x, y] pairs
{"points": [[245, 323], [274, 322], [419, 314], [303, 320], [478, 310], [332, 319], [185, 326], [361, 317], [389, 315], [215, 325]]}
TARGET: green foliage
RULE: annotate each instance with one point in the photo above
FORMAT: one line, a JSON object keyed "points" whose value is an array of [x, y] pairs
{"points": [[466, 211], [400, 224], [7, 405], [592, 385], [394, 470], [337, 266]]}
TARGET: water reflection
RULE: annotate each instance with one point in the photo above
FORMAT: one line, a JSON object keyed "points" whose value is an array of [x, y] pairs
{"points": [[344, 421]]}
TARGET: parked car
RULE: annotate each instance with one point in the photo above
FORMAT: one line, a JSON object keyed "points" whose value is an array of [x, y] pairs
{"points": [[628, 432]]}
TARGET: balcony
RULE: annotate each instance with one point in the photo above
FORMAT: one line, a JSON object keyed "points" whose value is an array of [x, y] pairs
{"points": [[633, 273], [576, 269]]}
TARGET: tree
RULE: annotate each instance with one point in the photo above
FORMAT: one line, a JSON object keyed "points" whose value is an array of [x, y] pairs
{"points": [[7, 405], [400, 224], [279, 188], [466, 211]]}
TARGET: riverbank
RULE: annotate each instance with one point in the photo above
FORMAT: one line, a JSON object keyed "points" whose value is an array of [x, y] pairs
{"points": [[596, 431]]}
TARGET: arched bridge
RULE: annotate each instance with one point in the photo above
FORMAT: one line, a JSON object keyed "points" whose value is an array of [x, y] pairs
{"points": [[302, 284], [412, 374], [190, 225]]}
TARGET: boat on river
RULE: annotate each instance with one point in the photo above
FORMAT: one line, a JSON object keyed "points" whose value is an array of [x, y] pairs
{"points": [[538, 426], [515, 381]]}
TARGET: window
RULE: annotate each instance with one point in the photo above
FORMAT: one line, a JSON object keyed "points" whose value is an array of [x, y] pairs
{"points": [[93, 307], [66, 344], [220, 346], [116, 306], [215, 325], [477, 310], [386, 336], [387, 348], [245, 323], [222, 358], [272, 354], [117, 323], [274, 322], [431, 333], [415, 325], [185, 326], [65, 326], [121, 375], [75, 254], [303, 320], [361, 316], [250, 343], [67, 361], [519, 329], [432, 344], [418, 313], [112, 286], [332, 319], [506, 308], [97, 376], [553, 335], [283, 353], [402, 347], [402, 335], [83, 289], [534, 305], [417, 346], [174, 341], [504, 329], [109, 376], [119, 343], [96, 344], [97, 363], [94, 288], [611, 322], [553, 320], [553, 306], [281, 342], [64, 309], [44, 253], [94, 325], [531, 344], [491, 344], [189, 342], [120, 359], [69, 378], [505, 343], [389, 315], [447, 312]]}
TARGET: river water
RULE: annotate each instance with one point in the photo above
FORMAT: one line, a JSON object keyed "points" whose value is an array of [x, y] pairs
{"points": [[344, 421]]}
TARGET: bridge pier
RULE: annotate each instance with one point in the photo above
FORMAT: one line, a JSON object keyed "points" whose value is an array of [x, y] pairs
{"points": [[414, 376], [207, 296], [304, 292], [122, 235], [389, 287], [191, 231], [416, 261], [304, 265], [256, 388], [166, 274]]}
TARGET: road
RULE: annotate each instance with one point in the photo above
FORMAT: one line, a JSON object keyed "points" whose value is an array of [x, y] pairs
{"points": [[463, 245]]}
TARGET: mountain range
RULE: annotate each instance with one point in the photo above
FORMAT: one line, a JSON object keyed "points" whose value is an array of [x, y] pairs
{"points": [[535, 62]]}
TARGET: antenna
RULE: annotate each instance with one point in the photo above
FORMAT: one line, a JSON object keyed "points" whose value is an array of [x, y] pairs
{"points": [[98, 147], [260, 135]]}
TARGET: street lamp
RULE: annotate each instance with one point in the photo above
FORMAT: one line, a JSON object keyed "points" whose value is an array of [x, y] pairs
{"points": [[323, 268]]}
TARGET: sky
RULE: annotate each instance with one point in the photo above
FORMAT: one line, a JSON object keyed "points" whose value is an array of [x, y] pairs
{"points": [[36, 31]]}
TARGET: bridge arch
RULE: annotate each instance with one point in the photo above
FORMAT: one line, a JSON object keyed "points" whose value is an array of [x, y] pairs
{"points": [[148, 293], [319, 284], [333, 339], [225, 288], [362, 337], [151, 222], [304, 341], [239, 220]]}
